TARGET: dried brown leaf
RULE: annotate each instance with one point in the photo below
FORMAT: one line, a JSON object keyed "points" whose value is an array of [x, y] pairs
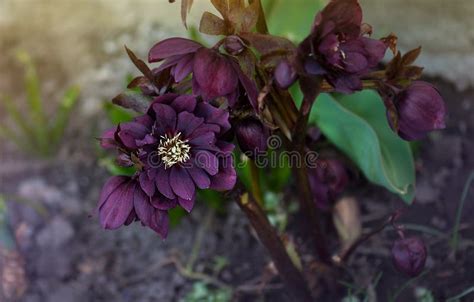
{"points": [[347, 221], [212, 25], [411, 56], [139, 64], [266, 44], [185, 9]]}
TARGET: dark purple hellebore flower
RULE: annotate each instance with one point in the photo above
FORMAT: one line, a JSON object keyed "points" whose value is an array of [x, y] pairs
{"points": [[420, 109], [214, 74], [327, 181], [409, 255], [252, 136], [337, 47], [176, 147]]}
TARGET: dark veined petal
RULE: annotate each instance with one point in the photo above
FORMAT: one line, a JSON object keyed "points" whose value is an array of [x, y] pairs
{"points": [[147, 184], [184, 103], [375, 50], [142, 206], [204, 140], [226, 178], [346, 15], [200, 177], [206, 160], [130, 132], [346, 83], [420, 109], [187, 123], [181, 183], [163, 183], [107, 139], [213, 115], [162, 203], [109, 187], [187, 204], [172, 47], [184, 67], [166, 118], [160, 223], [117, 207], [214, 74]]}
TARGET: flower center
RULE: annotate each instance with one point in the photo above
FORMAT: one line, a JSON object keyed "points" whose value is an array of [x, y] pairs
{"points": [[173, 150]]}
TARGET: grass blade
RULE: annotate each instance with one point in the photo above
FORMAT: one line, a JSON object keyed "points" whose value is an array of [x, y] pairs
{"points": [[13, 112], [62, 116], [35, 103], [465, 191]]}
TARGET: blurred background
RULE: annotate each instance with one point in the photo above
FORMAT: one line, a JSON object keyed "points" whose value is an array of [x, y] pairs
{"points": [[61, 63]]}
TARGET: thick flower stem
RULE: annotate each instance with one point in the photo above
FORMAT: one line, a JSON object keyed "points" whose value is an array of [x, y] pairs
{"points": [[290, 275], [309, 207], [301, 174]]}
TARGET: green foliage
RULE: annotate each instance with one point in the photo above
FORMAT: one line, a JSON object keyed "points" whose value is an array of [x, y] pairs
{"points": [[36, 133], [357, 125], [291, 19], [201, 292]]}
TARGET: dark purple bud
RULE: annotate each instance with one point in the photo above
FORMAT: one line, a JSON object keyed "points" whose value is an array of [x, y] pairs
{"points": [[409, 255], [252, 136], [233, 45], [420, 110], [285, 74]]}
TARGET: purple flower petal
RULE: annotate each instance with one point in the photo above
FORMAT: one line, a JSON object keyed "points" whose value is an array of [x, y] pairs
{"points": [[184, 103], [183, 68], [187, 123], [226, 178], [375, 50], [206, 160], [214, 74], [172, 47], [162, 203], [166, 118], [109, 187], [160, 223], [142, 207], [200, 177], [205, 140], [107, 140], [249, 86], [163, 183], [147, 184], [213, 115], [187, 204], [130, 132], [181, 183], [115, 210]]}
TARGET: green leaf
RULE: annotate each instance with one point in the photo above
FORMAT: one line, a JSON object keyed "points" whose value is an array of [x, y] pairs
{"points": [[357, 125], [117, 114], [291, 19], [114, 169]]}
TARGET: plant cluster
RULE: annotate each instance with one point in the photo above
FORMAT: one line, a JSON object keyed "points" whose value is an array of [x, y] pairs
{"points": [[252, 86]]}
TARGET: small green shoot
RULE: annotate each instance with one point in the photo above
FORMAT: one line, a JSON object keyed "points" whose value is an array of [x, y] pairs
{"points": [[36, 133]]}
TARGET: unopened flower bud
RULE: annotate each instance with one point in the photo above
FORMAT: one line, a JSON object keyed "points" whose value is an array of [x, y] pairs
{"points": [[285, 74], [420, 110], [233, 45], [252, 136], [409, 255]]}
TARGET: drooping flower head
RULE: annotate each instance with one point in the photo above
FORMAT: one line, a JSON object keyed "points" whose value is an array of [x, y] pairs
{"points": [[338, 48], [409, 255], [176, 147], [214, 74], [420, 109]]}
